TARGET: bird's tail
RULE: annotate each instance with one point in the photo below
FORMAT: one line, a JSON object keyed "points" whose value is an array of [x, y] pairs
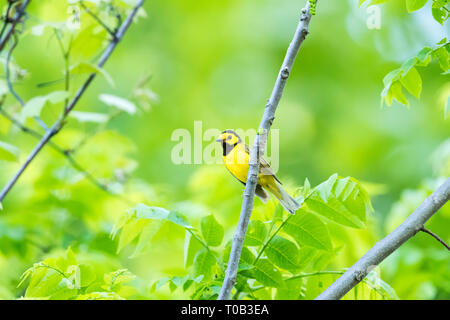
{"points": [[288, 203]]}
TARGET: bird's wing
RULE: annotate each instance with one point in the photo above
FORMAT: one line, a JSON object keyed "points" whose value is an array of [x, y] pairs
{"points": [[264, 166]]}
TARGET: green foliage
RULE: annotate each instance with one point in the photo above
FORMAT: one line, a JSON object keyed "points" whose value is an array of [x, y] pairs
{"points": [[283, 253], [87, 68], [33, 107], [312, 7], [256, 233], [212, 231], [269, 258], [62, 277], [342, 200], [331, 123], [439, 8], [409, 78], [308, 230], [119, 103], [8, 152]]}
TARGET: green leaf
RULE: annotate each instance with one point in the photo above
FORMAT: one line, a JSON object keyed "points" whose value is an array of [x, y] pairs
{"points": [[212, 231], [306, 256], [55, 278], [130, 231], [266, 273], [145, 222], [57, 96], [119, 103], [87, 275], [99, 295], [89, 116], [146, 235], [424, 56], [178, 219], [204, 261], [89, 68], [143, 211], [191, 247], [397, 93], [256, 233], [114, 280], [413, 5], [342, 200], [247, 257], [439, 14], [443, 57], [34, 106], [8, 152], [291, 291], [412, 82], [283, 253], [308, 230]]}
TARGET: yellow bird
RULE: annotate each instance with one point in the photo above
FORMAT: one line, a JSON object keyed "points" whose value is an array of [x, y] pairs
{"points": [[236, 157]]}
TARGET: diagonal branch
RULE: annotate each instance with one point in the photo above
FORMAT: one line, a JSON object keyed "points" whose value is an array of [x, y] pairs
{"points": [[65, 153], [12, 23], [258, 150], [97, 18], [382, 249], [56, 127]]}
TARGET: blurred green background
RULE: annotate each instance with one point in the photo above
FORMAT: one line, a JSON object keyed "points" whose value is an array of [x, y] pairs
{"points": [[216, 62]]}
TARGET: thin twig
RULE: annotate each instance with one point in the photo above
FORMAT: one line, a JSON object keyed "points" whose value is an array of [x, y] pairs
{"points": [[18, 16], [66, 56], [8, 73], [270, 239], [10, 84], [258, 150], [60, 150], [434, 235], [36, 134], [97, 18], [8, 10], [382, 249], [61, 121]]}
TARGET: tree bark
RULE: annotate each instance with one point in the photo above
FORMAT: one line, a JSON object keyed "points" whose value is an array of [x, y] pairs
{"points": [[258, 150], [382, 249]]}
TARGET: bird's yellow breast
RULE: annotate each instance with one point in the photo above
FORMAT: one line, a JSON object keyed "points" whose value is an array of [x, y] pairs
{"points": [[237, 161]]}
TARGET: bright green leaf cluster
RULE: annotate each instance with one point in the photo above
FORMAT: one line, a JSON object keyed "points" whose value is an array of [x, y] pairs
{"points": [[408, 77], [62, 277], [439, 8], [276, 254]]}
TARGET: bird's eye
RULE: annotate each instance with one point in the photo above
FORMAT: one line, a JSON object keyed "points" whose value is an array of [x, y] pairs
{"points": [[229, 137]]}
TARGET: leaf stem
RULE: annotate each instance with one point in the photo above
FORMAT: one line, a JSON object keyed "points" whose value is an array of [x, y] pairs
{"points": [[270, 239]]}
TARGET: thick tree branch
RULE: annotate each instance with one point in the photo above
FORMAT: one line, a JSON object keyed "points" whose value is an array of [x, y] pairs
{"points": [[382, 249], [60, 122], [11, 24], [258, 150]]}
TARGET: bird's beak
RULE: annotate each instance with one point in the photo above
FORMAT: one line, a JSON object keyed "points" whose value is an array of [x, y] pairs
{"points": [[220, 138]]}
